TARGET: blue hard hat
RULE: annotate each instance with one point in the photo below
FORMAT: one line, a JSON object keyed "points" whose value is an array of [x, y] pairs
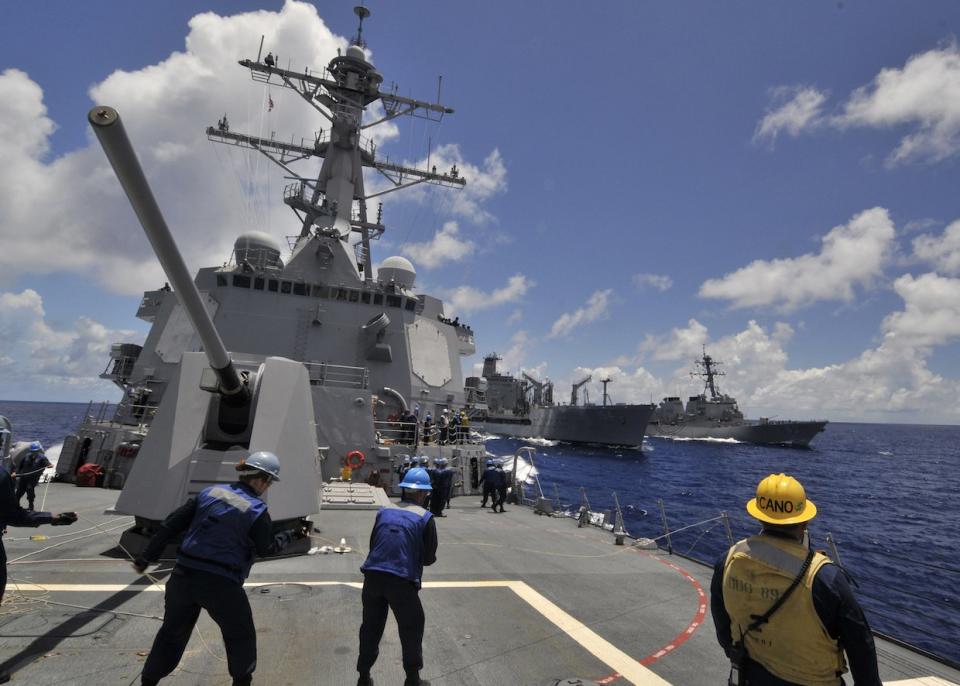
{"points": [[35, 447], [266, 462], [417, 479], [489, 463], [440, 462]]}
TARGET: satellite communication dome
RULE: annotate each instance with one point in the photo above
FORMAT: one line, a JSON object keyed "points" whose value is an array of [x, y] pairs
{"points": [[258, 249], [356, 52], [398, 270]]}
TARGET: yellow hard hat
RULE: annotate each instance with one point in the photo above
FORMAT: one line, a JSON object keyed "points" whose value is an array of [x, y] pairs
{"points": [[781, 500]]}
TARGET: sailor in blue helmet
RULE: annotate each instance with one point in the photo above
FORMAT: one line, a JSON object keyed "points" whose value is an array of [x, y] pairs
{"points": [[488, 479], [11, 514], [28, 467], [442, 478], [226, 527], [500, 488], [403, 540]]}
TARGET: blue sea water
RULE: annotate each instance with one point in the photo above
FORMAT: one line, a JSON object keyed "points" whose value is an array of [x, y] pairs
{"points": [[889, 495]]}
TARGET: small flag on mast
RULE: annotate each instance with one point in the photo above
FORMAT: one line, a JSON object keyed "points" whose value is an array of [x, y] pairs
{"points": [[269, 103]]}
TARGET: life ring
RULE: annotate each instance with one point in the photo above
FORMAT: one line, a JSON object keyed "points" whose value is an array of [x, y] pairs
{"points": [[355, 460]]}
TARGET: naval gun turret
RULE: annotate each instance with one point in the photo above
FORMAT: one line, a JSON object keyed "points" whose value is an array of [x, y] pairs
{"points": [[217, 409]]}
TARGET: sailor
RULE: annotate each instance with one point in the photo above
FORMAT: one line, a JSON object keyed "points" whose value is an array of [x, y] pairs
{"points": [[444, 424], [500, 487], [427, 428], [442, 479], [424, 462], [454, 430], [11, 514], [403, 540], [28, 467], [784, 613], [269, 60], [226, 527], [488, 479], [464, 427]]}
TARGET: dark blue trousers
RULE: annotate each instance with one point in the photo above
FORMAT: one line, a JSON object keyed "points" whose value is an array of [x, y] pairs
{"points": [[381, 592], [189, 591]]}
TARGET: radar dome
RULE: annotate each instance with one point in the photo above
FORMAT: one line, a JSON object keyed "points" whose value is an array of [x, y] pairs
{"points": [[258, 249], [356, 52], [398, 270]]}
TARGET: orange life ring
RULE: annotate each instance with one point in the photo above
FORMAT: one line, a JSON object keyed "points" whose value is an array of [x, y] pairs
{"points": [[355, 459]]}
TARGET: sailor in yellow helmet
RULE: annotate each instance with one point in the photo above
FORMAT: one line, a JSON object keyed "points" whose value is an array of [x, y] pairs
{"points": [[803, 641]]}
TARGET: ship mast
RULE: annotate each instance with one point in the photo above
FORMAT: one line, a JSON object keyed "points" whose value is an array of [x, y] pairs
{"points": [[708, 365], [606, 396], [335, 203]]}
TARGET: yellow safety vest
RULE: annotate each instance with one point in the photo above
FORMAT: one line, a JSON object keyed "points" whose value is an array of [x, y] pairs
{"points": [[793, 644]]}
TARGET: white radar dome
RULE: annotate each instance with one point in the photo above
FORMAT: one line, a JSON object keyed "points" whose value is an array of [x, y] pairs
{"points": [[398, 270], [356, 52], [258, 249]]}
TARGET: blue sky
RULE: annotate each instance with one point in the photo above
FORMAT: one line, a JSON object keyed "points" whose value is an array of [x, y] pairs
{"points": [[774, 180]]}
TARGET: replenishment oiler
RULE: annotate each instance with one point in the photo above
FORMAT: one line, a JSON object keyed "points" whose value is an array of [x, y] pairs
{"points": [[715, 415], [524, 408], [513, 600]]}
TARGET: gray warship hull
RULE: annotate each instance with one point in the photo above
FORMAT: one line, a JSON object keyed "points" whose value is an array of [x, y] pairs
{"points": [[605, 425], [790, 433]]}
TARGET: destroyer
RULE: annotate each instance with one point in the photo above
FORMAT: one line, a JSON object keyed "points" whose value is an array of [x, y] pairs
{"points": [[505, 405], [372, 347], [717, 416]]}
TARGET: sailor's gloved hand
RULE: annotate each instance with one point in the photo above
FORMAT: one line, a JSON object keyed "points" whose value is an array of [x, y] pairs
{"points": [[64, 519], [305, 530], [140, 565]]}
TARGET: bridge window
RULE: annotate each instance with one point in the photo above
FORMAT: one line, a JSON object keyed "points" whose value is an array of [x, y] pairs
{"points": [[272, 285], [299, 289], [394, 301], [365, 297], [354, 296], [221, 280], [241, 281], [258, 283], [378, 298], [320, 291], [411, 305], [286, 287]]}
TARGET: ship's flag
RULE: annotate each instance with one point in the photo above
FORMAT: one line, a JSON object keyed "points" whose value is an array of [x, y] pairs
{"points": [[269, 103]]}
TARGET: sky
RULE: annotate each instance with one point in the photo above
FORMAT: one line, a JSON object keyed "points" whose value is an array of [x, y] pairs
{"points": [[776, 181]]}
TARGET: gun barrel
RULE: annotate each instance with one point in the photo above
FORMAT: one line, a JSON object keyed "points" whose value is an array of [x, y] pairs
{"points": [[110, 132]]}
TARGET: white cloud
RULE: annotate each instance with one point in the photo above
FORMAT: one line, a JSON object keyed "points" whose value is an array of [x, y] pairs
{"points": [[209, 194], [596, 308], [889, 382], [942, 251], [37, 353], [679, 344], [470, 299], [852, 254], [446, 246], [793, 110], [924, 95], [659, 281], [515, 317]]}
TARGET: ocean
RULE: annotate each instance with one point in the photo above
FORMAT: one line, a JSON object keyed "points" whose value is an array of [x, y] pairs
{"points": [[889, 495]]}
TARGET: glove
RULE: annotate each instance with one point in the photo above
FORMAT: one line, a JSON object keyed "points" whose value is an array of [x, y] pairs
{"points": [[64, 519], [140, 565]]}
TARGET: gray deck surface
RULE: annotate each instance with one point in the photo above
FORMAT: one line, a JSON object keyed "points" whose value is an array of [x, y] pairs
{"points": [[545, 579]]}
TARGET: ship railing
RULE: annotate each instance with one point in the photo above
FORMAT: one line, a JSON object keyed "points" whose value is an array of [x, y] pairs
{"points": [[97, 413], [396, 433], [324, 374], [415, 434]]}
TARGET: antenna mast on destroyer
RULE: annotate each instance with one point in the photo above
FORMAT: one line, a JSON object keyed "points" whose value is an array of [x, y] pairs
{"points": [[335, 203], [708, 365]]}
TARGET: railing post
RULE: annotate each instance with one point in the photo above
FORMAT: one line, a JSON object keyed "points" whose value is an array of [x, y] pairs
{"points": [[618, 529], [666, 528], [556, 496], [833, 549], [726, 525]]}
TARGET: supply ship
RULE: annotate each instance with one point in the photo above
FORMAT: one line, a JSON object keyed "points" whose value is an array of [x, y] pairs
{"points": [[513, 599], [715, 415], [524, 408]]}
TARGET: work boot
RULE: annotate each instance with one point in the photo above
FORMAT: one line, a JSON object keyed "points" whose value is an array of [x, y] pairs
{"points": [[413, 679], [144, 681], [365, 680]]}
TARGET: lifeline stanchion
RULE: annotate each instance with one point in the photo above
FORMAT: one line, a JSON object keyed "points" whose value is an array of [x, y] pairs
{"points": [[726, 525], [666, 528]]}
